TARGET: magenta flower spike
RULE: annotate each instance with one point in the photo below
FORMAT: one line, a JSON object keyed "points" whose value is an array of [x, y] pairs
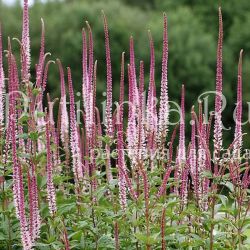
{"points": [[163, 187], [94, 97], [51, 194], [123, 176], [45, 75], [25, 42], [40, 66], [35, 220], [193, 156], [164, 106], [2, 87], [151, 102], [74, 140], [218, 97], [64, 113], [108, 112], [246, 178], [12, 126], [54, 134], [88, 84], [18, 189], [133, 71], [121, 97], [121, 163], [10, 89], [182, 148], [203, 166], [41, 120], [19, 194], [238, 116], [184, 186], [140, 127], [131, 129], [151, 114], [15, 89], [182, 151], [120, 147], [91, 53]]}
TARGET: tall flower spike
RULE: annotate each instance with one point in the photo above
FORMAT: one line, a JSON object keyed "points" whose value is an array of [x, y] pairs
{"points": [[151, 104], [131, 129], [108, 112], [182, 149], [91, 53], [238, 116], [40, 66], [41, 120], [203, 162], [141, 132], [10, 88], [1, 81], [51, 194], [63, 104], [74, 140], [87, 87], [25, 42], [18, 187], [193, 156], [133, 70], [123, 176], [121, 98], [36, 220], [218, 96], [121, 162], [163, 187], [12, 126], [164, 106]]}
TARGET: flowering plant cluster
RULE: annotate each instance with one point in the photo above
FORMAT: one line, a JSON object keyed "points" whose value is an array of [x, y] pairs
{"points": [[148, 189]]}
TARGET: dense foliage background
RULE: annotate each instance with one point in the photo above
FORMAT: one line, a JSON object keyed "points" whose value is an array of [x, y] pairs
{"points": [[192, 41]]}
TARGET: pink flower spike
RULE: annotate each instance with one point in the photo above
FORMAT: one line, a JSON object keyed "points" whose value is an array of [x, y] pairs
{"points": [[182, 148], [87, 87], [131, 129], [151, 114], [25, 42], [122, 181], [183, 171], [91, 53], [40, 66], [18, 186], [164, 106], [2, 87], [218, 97], [193, 156], [74, 140], [45, 76], [163, 186], [51, 193], [141, 132], [151, 102], [121, 98], [108, 112], [64, 113], [238, 116], [133, 70]]}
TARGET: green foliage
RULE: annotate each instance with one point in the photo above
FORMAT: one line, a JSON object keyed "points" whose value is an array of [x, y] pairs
{"points": [[88, 219]]}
